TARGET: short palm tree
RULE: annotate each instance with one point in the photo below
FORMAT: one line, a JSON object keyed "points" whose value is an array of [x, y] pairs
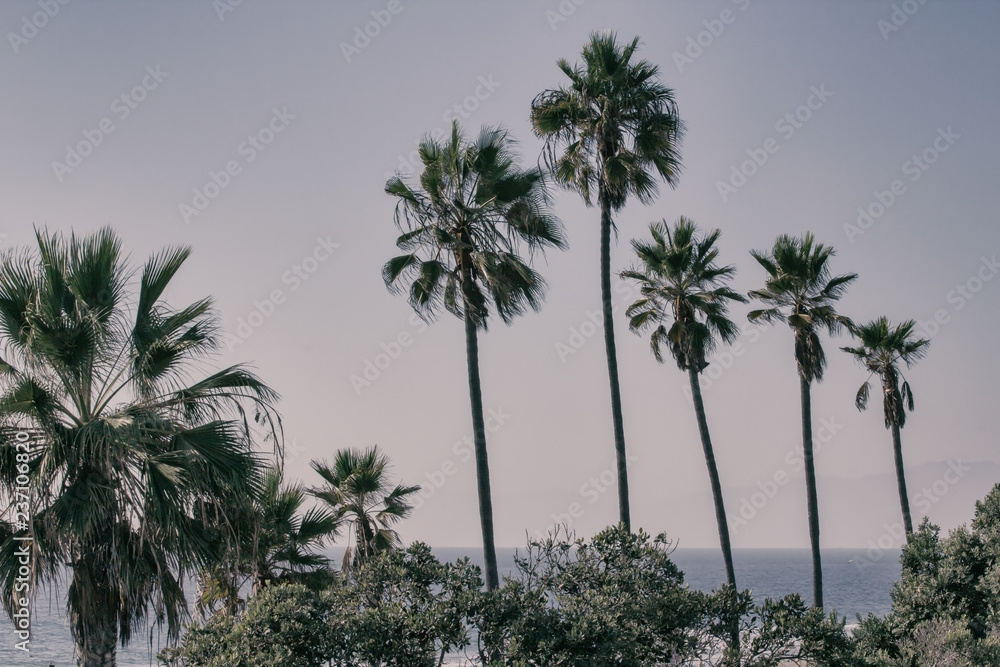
{"points": [[882, 348], [463, 228], [618, 129], [800, 291], [685, 300], [360, 495], [279, 542], [132, 465]]}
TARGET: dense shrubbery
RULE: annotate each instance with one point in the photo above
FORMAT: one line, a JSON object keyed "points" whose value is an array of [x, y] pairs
{"points": [[616, 600], [284, 625], [946, 607]]}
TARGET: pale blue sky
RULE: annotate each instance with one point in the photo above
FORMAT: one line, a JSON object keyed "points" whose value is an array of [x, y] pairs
{"points": [[341, 126]]}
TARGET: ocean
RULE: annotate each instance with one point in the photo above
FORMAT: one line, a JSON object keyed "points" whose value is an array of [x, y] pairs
{"points": [[852, 584]]}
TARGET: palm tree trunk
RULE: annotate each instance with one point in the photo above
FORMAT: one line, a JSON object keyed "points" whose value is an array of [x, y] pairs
{"points": [[93, 619], [482, 464], [720, 506], [101, 649], [609, 345], [904, 499], [713, 474], [813, 504]]}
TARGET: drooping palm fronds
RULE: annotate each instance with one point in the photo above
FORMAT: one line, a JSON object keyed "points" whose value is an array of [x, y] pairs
{"points": [[359, 495], [132, 464], [278, 542], [882, 348]]}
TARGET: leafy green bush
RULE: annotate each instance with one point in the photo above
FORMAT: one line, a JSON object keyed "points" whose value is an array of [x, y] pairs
{"points": [[617, 600], [946, 606], [282, 626], [402, 608]]}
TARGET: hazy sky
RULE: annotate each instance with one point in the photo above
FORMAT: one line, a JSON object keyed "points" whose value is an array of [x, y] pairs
{"points": [[309, 115]]}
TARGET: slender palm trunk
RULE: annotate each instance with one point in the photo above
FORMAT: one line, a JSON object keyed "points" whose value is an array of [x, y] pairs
{"points": [[95, 628], [813, 504], [609, 345], [482, 464], [904, 499], [720, 506]]}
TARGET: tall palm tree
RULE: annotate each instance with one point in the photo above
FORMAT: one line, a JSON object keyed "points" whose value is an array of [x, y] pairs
{"points": [[882, 348], [359, 494], [618, 128], [278, 542], [463, 229], [131, 465], [800, 291], [685, 300]]}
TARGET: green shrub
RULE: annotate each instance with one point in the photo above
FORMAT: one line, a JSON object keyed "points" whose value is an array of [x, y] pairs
{"points": [[617, 600], [946, 606], [282, 626], [402, 609]]}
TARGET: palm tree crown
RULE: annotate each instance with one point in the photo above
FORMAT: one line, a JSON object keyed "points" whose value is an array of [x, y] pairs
{"points": [[617, 123], [882, 348], [132, 465], [278, 542], [681, 285], [800, 291], [359, 493], [463, 228]]}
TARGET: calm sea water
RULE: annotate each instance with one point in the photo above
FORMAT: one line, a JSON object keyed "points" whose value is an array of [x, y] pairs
{"points": [[849, 589]]}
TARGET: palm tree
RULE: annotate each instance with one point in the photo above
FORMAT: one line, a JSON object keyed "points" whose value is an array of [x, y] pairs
{"points": [[618, 128], [358, 492], [882, 348], [131, 465], [799, 291], [463, 228], [278, 542], [685, 299]]}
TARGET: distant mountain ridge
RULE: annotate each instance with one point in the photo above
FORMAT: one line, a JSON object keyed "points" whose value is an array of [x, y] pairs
{"points": [[855, 511]]}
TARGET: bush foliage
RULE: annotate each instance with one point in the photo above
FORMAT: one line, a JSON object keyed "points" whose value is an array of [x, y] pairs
{"points": [[615, 600]]}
